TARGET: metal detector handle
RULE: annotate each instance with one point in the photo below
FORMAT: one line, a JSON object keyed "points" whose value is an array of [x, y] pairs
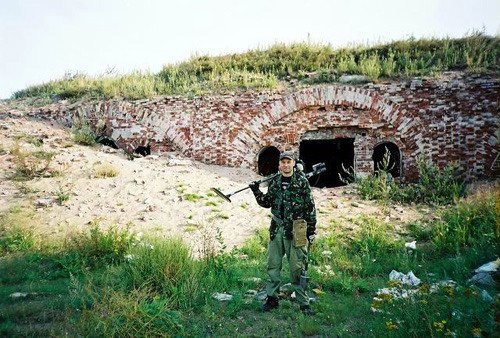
{"points": [[268, 178], [318, 168], [260, 181]]}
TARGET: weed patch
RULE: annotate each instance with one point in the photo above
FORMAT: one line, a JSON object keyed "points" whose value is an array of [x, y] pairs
{"points": [[84, 135], [31, 164], [278, 64], [105, 170]]}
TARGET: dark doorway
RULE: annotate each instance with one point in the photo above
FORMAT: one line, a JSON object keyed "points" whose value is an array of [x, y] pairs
{"points": [[107, 141], [143, 150], [392, 160], [334, 153], [268, 161]]}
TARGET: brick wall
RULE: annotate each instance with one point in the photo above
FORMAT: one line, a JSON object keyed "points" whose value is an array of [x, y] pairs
{"points": [[453, 118]]}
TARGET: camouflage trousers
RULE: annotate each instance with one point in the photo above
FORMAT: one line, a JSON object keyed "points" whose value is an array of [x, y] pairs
{"points": [[297, 260]]}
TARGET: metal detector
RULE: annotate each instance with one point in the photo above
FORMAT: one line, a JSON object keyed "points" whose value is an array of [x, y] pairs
{"points": [[317, 169], [226, 197]]}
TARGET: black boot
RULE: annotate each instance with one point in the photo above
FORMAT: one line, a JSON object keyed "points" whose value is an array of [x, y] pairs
{"points": [[306, 310], [271, 303]]}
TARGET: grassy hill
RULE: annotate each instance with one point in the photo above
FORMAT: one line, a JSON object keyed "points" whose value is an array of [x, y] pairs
{"points": [[281, 65]]}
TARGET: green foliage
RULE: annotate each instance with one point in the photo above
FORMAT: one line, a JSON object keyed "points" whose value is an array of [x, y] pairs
{"points": [[84, 135], [128, 314], [309, 327], [62, 196], [16, 233], [155, 287], [192, 197], [472, 224], [95, 248], [17, 238], [373, 241], [370, 251], [451, 310], [45, 301], [256, 246], [435, 186], [164, 267], [307, 62]]}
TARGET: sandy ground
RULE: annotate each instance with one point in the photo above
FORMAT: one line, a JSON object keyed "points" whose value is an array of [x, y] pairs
{"points": [[152, 194]]}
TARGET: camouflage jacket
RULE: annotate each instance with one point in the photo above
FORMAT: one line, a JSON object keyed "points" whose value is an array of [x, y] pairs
{"points": [[297, 202]]}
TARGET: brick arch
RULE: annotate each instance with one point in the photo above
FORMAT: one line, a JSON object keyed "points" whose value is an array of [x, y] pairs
{"points": [[382, 111]]}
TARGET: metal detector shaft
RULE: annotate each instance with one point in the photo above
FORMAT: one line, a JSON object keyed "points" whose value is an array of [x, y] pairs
{"points": [[318, 168], [227, 197]]}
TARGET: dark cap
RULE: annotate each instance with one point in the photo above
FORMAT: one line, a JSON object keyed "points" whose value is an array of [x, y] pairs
{"points": [[287, 154]]}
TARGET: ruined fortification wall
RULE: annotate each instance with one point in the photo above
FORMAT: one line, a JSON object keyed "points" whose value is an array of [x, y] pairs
{"points": [[453, 118]]}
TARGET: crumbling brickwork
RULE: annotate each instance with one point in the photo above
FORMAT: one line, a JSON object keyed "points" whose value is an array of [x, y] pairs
{"points": [[453, 118]]}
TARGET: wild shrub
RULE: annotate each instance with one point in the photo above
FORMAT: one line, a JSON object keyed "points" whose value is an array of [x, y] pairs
{"points": [[165, 267], [96, 247], [370, 250], [17, 238], [470, 224], [435, 186], [84, 135], [62, 196], [31, 164], [16, 232], [105, 170]]}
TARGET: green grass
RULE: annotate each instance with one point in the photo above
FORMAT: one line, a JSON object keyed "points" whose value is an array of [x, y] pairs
{"points": [[271, 67], [84, 135], [106, 282]]}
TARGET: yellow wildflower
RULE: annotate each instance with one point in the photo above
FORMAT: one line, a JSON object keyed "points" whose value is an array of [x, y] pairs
{"points": [[470, 292], [439, 326], [385, 296], [390, 325], [424, 288], [449, 290], [394, 283]]}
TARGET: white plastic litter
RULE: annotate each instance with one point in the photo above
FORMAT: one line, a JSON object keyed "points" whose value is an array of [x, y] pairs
{"points": [[483, 278], [222, 296], [22, 294], [411, 245], [486, 296], [489, 267], [408, 279]]}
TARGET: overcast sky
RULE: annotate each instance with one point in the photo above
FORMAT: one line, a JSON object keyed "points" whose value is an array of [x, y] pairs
{"points": [[41, 40]]}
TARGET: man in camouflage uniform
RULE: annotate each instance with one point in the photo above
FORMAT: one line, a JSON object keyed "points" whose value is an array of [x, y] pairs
{"points": [[289, 197]]}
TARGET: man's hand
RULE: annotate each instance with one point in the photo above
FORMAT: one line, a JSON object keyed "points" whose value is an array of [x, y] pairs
{"points": [[254, 186]]}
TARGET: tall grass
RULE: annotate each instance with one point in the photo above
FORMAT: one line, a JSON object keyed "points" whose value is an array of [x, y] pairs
{"points": [[471, 224], [258, 68], [95, 247], [121, 285]]}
